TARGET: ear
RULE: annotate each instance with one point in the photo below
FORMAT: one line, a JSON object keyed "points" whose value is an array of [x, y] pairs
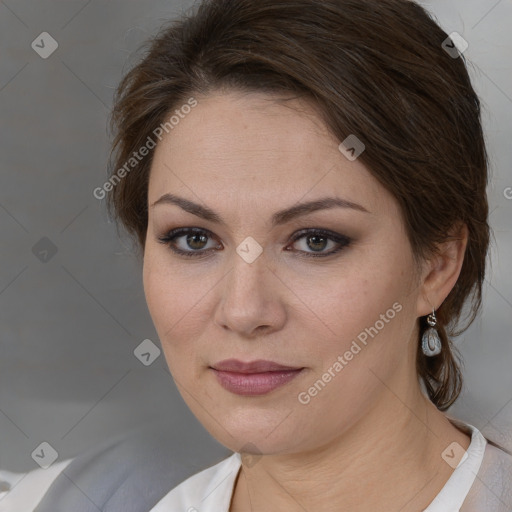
{"points": [[442, 271]]}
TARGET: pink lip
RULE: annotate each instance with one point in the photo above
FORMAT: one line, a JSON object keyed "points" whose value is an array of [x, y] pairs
{"points": [[257, 366], [253, 378]]}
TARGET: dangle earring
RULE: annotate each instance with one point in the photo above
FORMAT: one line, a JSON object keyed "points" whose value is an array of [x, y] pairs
{"points": [[430, 341]]}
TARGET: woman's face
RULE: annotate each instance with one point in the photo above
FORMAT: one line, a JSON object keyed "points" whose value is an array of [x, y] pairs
{"points": [[339, 306]]}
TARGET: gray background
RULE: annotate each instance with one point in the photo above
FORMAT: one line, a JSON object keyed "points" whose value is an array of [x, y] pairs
{"points": [[69, 325]]}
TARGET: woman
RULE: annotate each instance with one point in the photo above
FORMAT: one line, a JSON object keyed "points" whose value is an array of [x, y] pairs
{"points": [[307, 183]]}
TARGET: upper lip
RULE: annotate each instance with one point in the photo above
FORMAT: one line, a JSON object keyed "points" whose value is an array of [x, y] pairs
{"points": [[257, 366]]}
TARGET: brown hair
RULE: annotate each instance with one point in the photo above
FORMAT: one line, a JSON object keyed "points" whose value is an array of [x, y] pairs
{"points": [[376, 69]]}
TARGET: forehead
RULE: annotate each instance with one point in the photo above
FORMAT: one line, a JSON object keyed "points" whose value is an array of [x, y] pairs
{"points": [[253, 147]]}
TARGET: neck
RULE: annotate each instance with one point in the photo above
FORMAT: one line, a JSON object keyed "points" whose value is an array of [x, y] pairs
{"points": [[389, 460]]}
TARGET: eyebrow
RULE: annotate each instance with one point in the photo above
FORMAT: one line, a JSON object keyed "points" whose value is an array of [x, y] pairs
{"points": [[280, 217]]}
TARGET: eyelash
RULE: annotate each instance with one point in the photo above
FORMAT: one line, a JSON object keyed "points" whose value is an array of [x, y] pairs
{"points": [[342, 241]]}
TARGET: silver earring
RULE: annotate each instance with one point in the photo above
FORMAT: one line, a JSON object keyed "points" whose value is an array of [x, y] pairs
{"points": [[430, 341]]}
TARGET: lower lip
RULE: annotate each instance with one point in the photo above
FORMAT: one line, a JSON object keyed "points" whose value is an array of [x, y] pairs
{"points": [[250, 384]]}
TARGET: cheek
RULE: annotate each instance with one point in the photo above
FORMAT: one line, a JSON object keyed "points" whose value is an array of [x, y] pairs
{"points": [[178, 305], [154, 289], [358, 315], [164, 296], [164, 309], [364, 342], [342, 305]]}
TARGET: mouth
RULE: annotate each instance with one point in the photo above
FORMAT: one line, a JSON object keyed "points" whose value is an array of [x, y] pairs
{"points": [[253, 378]]}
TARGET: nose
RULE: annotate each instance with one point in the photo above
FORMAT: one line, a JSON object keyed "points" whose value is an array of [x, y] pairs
{"points": [[252, 299]]}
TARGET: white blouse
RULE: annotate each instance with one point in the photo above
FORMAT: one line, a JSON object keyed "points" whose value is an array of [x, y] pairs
{"points": [[27, 489], [481, 482]]}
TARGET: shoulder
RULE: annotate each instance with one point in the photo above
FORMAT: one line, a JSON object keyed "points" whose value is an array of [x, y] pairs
{"points": [[496, 467], [132, 471], [492, 488], [208, 490]]}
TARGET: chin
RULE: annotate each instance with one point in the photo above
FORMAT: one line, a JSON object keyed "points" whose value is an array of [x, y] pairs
{"points": [[251, 433]]}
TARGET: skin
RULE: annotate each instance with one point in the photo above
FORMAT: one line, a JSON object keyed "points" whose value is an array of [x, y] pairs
{"points": [[370, 439]]}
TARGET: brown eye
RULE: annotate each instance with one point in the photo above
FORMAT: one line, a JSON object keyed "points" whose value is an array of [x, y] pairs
{"points": [[317, 241], [196, 241], [188, 241]]}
